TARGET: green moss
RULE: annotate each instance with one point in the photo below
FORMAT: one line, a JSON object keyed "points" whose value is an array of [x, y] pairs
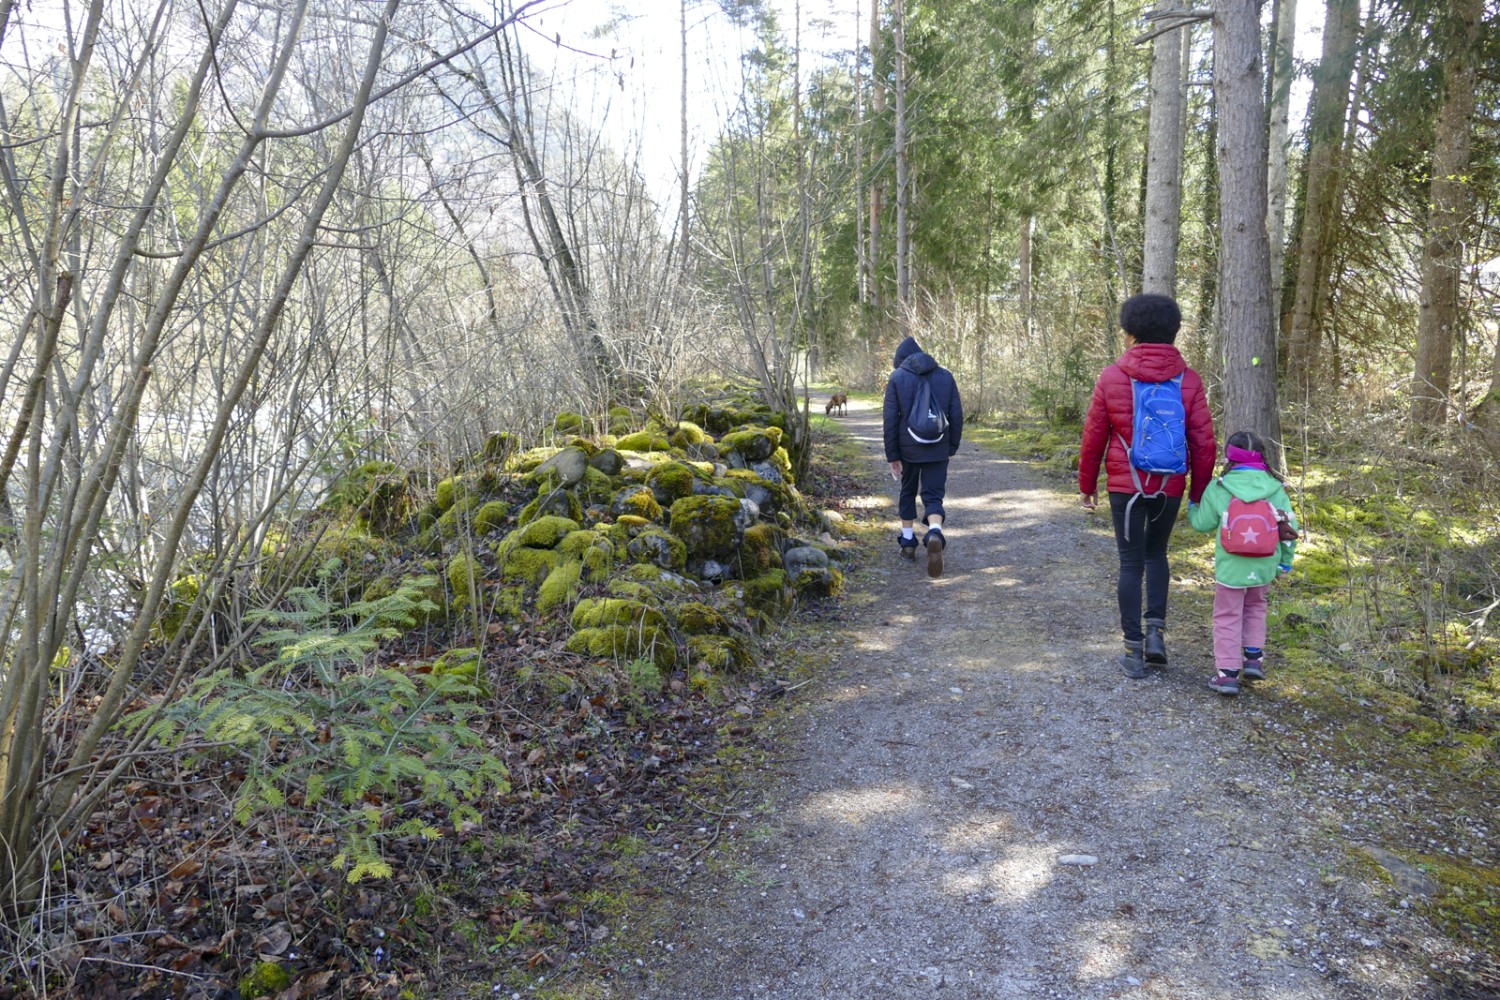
{"points": [[637, 502], [671, 481], [720, 653], [560, 587], [596, 487], [595, 612], [688, 434], [697, 618], [1468, 907], [177, 609], [769, 593], [658, 548], [510, 602], [552, 503], [629, 589], [753, 445], [265, 980], [464, 663], [528, 565], [499, 446], [626, 527], [707, 525], [457, 520], [643, 441], [820, 581], [542, 533], [760, 549], [567, 422], [624, 642], [463, 578], [491, 517], [449, 492]]}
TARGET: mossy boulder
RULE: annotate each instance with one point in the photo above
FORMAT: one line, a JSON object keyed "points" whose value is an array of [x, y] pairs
{"points": [[465, 664], [688, 435], [697, 618], [529, 566], [760, 549], [378, 494], [621, 642], [607, 461], [657, 579], [671, 481], [819, 581], [770, 593], [457, 519], [593, 550], [558, 503], [720, 653], [450, 491], [638, 501], [658, 548], [543, 532], [266, 979], [595, 612], [709, 526], [490, 517], [626, 527], [560, 587], [803, 557], [621, 420], [567, 467], [499, 447], [463, 573], [596, 487], [770, 495], [755, 444], [641, 441], [567, 422]]}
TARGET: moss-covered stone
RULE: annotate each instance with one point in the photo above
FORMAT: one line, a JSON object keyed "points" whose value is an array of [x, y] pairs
{"points": [[457, 520], [450, 491], [491, 517], [753, 445], [622, 642], [499, 447], [769, 592], [626, 527], [760, 549], [621, 420], [670, 482], [552, 503], [567, 422], [594, 550], [629, 589], [542, 533], [688, 434], [643, 441], [637, 501], [560, 588], [529, 565], [596, 486], [697, 618], [819, 581], [465, 664], [510, 601], [265, 980], [659, 580], [463, 573], [594, 612], [658, 548], [769, 495], [607, 461], [708, 525], [720, 653]]}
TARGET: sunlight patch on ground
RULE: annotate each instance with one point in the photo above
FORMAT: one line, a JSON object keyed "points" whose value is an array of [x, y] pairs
{"points": [[1021, 874], [869, 502], [860, 805], [1104, 949], [980, 834]]}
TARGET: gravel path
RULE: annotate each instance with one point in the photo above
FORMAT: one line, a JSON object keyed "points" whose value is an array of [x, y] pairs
{"points": [[975, 739]]}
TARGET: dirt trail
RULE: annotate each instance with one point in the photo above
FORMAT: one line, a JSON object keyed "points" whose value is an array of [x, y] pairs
{"points": [[977, 731]]}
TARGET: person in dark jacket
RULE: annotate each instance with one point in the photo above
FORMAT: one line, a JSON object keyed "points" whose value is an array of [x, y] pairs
{"points": [[1144, 514], [921, 465]]}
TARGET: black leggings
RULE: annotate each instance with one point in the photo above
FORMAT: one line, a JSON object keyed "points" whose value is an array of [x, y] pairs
{"points": [[1151, 522]]}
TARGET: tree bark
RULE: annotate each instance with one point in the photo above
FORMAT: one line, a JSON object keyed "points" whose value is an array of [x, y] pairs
{"points": [[903, 179], [877, 193], [1164, 165], [1325, 135], [1280, 90], [1442, 249], [1250, 401]]}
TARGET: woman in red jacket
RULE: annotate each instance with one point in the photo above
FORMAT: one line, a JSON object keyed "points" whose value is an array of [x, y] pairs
{"points": [[1144, 505]]}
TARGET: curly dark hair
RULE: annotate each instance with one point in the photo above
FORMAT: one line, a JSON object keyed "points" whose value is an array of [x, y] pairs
{"points": [[1151, 318]]}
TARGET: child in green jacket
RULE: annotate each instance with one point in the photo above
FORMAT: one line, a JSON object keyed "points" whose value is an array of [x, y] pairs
{"points": [[1243, 580]]}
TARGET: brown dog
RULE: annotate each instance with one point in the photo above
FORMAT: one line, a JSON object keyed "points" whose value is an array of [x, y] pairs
{"points": [[839, 402]]}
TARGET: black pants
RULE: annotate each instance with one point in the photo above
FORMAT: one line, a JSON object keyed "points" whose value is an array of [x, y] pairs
{"points": [[1150, 521], [933, 479]]}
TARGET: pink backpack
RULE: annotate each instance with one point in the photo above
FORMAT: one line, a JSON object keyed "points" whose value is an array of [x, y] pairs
{"points": [[1249, 528]]}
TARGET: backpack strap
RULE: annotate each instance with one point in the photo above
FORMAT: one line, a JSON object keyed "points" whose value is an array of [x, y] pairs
{"points": [[1135, 477]]}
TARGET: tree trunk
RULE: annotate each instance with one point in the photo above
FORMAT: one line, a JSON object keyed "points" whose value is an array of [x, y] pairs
{"points": [[1245, 289], [877, 194], [682, 222], [1442, 250], [1164, 165], [861, 254], [1280, 91], [1325, 134], [903, 178]]}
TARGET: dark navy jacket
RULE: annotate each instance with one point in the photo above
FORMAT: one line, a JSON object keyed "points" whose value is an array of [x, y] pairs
{"points": [[912, 365]]}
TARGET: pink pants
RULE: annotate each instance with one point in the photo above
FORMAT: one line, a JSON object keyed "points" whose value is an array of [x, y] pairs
{"points": [[1239, 621]]}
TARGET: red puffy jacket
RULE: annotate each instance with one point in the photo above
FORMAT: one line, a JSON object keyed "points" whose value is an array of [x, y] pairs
{"points": [[1112, 411]]}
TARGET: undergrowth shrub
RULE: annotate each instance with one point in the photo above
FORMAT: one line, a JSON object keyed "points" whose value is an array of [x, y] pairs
{"points": [[373, 749]]}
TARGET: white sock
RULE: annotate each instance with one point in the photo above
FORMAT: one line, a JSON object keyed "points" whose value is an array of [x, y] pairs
{"points": [[938, 528], [907, 533]]}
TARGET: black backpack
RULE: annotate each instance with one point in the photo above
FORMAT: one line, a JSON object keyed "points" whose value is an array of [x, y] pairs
{"points": [[926, 423]]}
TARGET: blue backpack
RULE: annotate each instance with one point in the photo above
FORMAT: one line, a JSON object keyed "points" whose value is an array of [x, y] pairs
{"points": [[1158, 437]]}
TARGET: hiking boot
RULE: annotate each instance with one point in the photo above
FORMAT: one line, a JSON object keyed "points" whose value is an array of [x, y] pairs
{"points": [[1253, 670], [908, 546], [1225, 682], [1133, 663], [1156, 643], [935, 545]]}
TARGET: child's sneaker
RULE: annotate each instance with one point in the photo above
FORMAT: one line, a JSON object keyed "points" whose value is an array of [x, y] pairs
{"points": [[908, 546], [935, 545], [1253, 670], [1225, 682]]}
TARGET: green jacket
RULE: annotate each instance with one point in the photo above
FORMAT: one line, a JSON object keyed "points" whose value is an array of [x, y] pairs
{"points": [[1247, 484]]}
